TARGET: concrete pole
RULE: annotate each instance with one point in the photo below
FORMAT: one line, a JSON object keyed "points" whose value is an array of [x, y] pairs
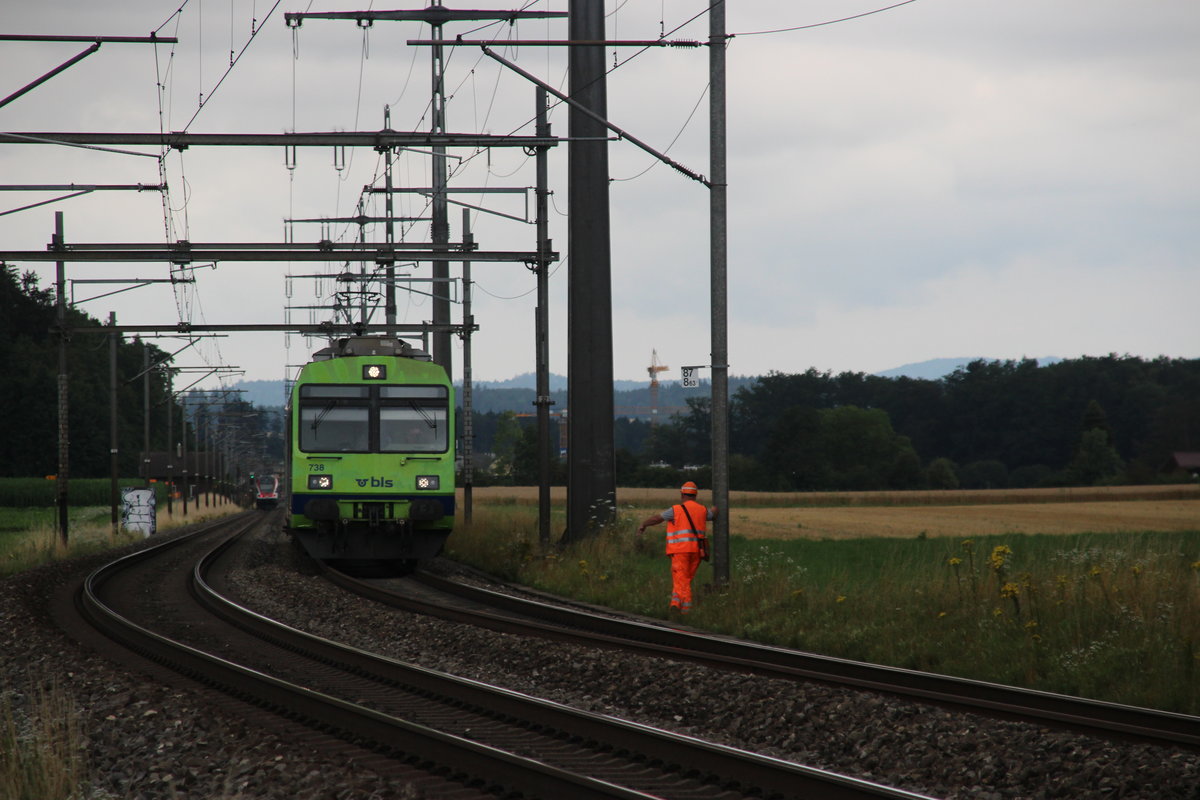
{"points": [[468, 422], [146, 413], [720, 316], [389, 290], [170, 448], [442, 353], [542, 326], [591, 480], [205, 485], [61, 484], [114, 492], [184, 453]]}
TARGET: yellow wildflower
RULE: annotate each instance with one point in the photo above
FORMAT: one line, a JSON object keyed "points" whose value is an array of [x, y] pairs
{"points": [[1009, 590], [955, 561], [841, 598], [1000, 554]]}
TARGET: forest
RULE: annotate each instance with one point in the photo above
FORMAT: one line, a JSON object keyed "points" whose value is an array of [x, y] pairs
{"points": [[991, 424], [1113, 419], [29, 356]]}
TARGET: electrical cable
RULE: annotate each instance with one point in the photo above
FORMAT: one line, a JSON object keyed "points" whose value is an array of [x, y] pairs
{"points": [[550, 274], [253, 35], [654, 162], [822, 24]]}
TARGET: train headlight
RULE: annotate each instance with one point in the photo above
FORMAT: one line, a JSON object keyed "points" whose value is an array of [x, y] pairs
{"points": [[428, 482], [324, 482], [374, 372]]}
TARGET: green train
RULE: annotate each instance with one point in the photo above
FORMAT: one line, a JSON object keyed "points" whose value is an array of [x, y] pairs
{"points": [[371, 464]]}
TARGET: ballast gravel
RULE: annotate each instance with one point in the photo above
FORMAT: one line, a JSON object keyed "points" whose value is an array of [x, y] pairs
{"points": [[150, 739]]}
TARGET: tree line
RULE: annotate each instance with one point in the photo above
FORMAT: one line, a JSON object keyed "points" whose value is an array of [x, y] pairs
{"points": [[29, 344], [990, 424]]}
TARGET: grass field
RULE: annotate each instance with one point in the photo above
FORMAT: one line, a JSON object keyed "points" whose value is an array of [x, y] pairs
{"points": [[1096, 595], [28, 536]]}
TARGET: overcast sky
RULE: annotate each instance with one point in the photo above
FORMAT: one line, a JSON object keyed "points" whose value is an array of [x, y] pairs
{"points": [[996, 178]]}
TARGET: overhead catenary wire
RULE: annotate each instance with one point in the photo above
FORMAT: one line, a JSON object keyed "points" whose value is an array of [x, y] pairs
{"points": [[187, 297], [229, 69], [562, 263], [822, 24]]}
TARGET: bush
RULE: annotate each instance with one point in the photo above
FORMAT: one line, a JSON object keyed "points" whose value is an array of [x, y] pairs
{"points": [[942, 473]]}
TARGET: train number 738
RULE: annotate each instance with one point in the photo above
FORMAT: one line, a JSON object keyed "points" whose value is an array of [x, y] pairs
{"points": [[316, 467]]}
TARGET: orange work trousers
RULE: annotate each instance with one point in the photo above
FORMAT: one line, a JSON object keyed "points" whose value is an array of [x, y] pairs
{"points": [[683, 569]]}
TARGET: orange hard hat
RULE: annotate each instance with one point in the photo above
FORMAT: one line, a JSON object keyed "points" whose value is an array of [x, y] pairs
{"points": [[688, 488]]}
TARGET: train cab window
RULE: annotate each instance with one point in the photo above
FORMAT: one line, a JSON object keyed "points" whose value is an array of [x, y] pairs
{"points": [[335, 419], [413, 419], [335, 430]]}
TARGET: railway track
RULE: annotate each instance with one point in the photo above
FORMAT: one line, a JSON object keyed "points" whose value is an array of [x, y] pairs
{"points": [[516, 610], [489, 739]]}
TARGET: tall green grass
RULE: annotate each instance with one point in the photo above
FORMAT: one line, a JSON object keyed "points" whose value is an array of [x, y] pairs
{"points": [[1108, 616]]}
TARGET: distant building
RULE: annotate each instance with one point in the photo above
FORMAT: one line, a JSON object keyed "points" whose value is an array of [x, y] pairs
{"points": [[1184, 462]]}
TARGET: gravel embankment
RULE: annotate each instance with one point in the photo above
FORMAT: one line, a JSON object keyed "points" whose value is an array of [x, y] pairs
{"points": [[148, 739]]}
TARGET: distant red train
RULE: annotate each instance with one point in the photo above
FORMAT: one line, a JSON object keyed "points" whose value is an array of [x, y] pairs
{"points": [[266, 491]]}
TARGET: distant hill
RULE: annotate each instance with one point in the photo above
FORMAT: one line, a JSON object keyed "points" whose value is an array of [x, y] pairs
{"points": [[516, 393], [936, 368], [558, 383]]}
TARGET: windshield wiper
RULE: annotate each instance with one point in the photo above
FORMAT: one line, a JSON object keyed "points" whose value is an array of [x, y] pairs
{"points": [[425, 415], [324, 413]]}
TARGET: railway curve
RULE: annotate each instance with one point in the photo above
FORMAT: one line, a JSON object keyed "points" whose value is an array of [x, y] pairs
{"points": [[657, 763], [517, 609]]}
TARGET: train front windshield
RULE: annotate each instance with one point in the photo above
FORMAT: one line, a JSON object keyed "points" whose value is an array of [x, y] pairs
{"points": [[412, 419], [374, 419]]}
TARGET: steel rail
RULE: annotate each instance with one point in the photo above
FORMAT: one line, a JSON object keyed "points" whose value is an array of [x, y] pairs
{"points": [[718, 764], [1081, 714], [315, 708]]}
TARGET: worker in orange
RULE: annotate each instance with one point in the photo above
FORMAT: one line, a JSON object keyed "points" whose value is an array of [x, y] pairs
{"points": [[686, 528]]}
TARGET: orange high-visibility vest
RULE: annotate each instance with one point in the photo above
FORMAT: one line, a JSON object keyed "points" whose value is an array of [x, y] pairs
{"points": [[681, 538]]}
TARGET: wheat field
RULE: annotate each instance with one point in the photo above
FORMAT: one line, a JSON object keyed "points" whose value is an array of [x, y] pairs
{"points": [[908, 514]]}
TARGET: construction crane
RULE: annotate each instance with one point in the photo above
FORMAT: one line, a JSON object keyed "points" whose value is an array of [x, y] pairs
{"points": [[654, 369]]}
